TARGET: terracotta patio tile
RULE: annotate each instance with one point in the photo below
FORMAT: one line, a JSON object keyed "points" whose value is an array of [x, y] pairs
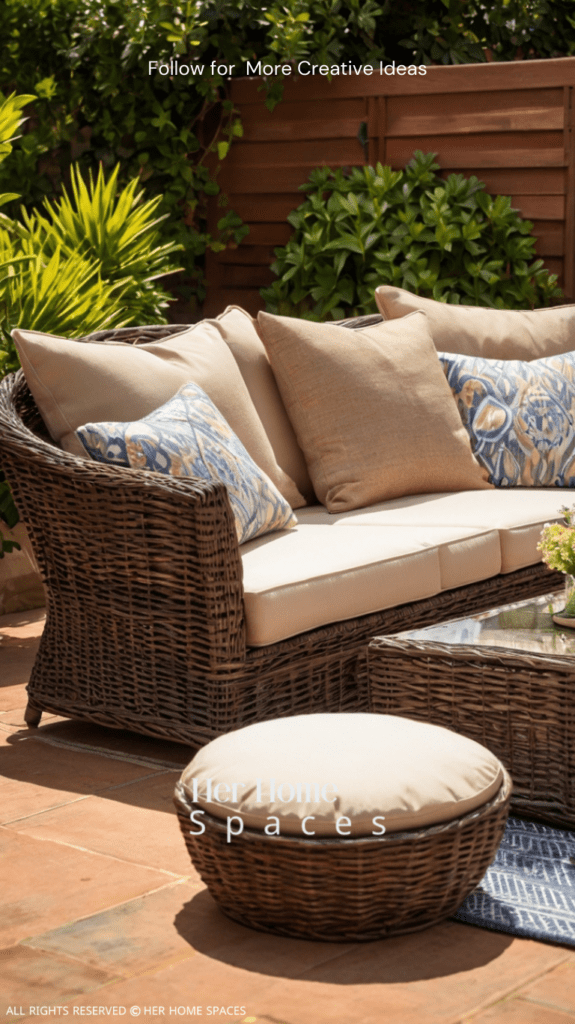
{"points": [[449, 949], [31, 977], [12, 702], [437, 977], [196, 981], [520, 1011], [12, 718], [177, 922], [201, 981], [91, 736], [135, 823], [17, 656], [206, 981], [208, 930], [556, 988], [36, 776], [129, 938], [19, 639], [447, 972], [30, 623], [45, 885]]}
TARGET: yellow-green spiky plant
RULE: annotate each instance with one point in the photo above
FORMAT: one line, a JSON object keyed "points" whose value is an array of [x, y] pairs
{"points": [[115, 229]]}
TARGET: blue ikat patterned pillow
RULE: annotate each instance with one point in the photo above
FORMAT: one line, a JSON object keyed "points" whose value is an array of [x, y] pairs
{"points": [[520, 416], [188, 436]]}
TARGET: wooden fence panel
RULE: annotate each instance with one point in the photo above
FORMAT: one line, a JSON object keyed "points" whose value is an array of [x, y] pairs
{"points": [[513, 125]]}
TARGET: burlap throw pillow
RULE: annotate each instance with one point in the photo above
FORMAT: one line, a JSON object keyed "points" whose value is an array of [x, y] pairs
{"points": [[372, 410]]}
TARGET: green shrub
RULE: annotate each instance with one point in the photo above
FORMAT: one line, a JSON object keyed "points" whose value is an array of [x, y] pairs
{"points": [[445, 239]]}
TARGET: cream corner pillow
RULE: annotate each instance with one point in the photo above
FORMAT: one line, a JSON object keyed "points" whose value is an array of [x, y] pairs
{"points": [[239, 332], [409, 775], [491, 333], [76, 382], [371, 409]]}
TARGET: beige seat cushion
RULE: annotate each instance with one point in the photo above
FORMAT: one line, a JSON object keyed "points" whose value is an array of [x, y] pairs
{"points": [[326, 569], [364, 766], [516, 514], [372, 410], [491, 333], [79, 382], [237, 328]]}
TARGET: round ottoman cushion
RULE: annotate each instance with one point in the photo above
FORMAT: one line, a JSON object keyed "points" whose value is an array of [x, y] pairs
{"points": [[312, 772]]}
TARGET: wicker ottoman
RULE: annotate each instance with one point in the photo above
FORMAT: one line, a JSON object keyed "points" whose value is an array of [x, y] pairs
{"points": [[342, 827]]}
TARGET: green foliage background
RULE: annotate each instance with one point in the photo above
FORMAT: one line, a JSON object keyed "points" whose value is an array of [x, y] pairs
{"points": [[86, 62]]}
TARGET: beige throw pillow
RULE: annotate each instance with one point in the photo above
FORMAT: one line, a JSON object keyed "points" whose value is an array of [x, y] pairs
{"points": [[372, 410], [75, 382], [238, 330], [491, 333]]}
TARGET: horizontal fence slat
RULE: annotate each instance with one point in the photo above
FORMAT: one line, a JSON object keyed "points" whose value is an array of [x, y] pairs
{"points": [[248, 298], [540, 207], [248, 255], [247, 180], [340, 118], [300, 131], [289, 179], [453, 156], [472, 113], [248, 277], [490, 142], [490, 77], [518, 181], [291, 112], [550, 239], [554, 265], [264, 208], [269, 234], [488, 121], [286, 154]]}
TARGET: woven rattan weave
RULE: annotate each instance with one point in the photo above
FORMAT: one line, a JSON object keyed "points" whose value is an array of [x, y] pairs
{"points": [[143, 577], [342, 890], [519, 705]]}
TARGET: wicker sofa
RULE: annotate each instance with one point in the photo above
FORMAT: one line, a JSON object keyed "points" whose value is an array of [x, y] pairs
{"points": [[148, 600]]}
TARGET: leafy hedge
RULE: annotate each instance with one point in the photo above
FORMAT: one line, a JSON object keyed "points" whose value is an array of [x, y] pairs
{"points": [[445, 239], [86, 61]]}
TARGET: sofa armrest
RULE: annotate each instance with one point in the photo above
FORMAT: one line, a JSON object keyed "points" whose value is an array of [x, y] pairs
{"points": [[139, 549]]}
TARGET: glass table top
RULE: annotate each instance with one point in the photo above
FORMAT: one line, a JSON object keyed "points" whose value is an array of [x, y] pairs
{"points": [[524, 626]]}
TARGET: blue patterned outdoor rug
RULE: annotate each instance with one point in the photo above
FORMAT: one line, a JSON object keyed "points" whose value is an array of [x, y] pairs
{"points": [[529, 890]]}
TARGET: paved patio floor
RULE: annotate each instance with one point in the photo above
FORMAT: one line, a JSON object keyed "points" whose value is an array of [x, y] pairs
{"points": [[103, 914]]}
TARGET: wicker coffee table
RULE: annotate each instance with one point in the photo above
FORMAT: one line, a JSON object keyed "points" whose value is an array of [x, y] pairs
{"points": [[505, 678]]}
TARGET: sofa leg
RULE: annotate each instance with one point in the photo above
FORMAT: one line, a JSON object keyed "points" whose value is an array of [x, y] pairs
{"points": [[32, 716]]}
